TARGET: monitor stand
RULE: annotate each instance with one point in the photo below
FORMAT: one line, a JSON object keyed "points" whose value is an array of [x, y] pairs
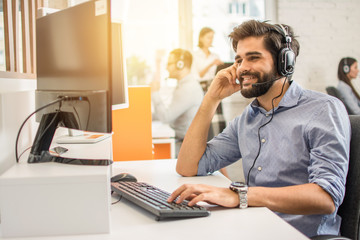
{"points": [[44, 135]]}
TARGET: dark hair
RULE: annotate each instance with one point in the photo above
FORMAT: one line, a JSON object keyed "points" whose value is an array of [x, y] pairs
{"points": [[274, 39], [184, 55], [342, 75], [203, 32]]}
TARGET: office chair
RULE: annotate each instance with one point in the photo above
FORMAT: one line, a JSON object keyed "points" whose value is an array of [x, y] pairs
{"points": [[349, 210], [335, 93]]}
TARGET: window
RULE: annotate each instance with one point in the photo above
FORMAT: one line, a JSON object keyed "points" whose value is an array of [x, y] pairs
{"points": [[159, 26], [17, 40], [151, 31], [222, 17]]}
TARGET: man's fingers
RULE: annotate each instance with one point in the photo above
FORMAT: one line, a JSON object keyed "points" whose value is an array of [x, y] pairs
{"points": [[197, 199], [233, 74], [188, 192], [176, 193], [230, 74], [185, 192]]}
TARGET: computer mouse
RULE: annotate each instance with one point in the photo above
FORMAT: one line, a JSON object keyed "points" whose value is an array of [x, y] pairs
{"points": [[123, 177]]}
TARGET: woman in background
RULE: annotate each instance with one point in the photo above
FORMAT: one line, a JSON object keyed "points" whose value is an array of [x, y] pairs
{"points": [[205, 62], [204, 66], [347, 71]]}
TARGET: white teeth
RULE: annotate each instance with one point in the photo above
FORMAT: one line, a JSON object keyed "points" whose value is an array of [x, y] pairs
{"points": [[248, 78]]}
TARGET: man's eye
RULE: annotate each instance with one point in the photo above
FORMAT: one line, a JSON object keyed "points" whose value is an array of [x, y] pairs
{"points": [[253, 58]]}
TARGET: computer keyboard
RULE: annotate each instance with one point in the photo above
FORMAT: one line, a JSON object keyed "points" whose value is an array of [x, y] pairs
{"points": [[154, 200]]}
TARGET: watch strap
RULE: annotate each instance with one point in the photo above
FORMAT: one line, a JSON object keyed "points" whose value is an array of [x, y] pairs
{"points": [[243, 199], [242, 192]]}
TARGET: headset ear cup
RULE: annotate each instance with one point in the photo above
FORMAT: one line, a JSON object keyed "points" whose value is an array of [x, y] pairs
{"points": [[180, 64], [346, 69], [286, 62]]}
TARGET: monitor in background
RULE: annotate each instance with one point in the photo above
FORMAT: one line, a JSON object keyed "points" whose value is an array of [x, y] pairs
{"points": [[81, 70]]}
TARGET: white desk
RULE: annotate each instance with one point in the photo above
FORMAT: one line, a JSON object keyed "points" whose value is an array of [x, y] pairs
{"points": [[223, 223], [130, 222]]}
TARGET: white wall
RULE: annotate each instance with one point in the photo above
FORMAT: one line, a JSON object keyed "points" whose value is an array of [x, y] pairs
{"points": [[17, 101], [328, 30]]}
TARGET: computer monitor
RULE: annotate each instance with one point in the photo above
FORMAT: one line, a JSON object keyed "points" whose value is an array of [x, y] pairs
{"points": [[81, 71]]}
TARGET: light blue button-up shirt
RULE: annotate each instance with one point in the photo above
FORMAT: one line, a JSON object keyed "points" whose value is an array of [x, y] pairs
{"points": [[307, 141]]}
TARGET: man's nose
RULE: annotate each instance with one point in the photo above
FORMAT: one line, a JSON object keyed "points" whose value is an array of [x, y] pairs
{"points": [[242, 68]]}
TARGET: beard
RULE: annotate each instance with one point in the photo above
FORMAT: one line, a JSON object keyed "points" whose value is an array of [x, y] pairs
{"points": [[259, 90]]}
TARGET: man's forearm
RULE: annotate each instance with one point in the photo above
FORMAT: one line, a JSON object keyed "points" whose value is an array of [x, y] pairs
{"points": [[299, 199], [194, 143]]}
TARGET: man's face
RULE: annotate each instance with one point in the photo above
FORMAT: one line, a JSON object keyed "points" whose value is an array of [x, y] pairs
{"points": [[171, 66], [255, 65], [207, 39]]}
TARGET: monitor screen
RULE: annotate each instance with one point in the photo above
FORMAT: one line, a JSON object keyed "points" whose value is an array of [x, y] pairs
{"points": [[79, 59]]}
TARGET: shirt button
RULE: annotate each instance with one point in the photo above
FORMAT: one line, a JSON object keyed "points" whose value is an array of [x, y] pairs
{"points": [[263, 140], [267, 114], [259, 168]]}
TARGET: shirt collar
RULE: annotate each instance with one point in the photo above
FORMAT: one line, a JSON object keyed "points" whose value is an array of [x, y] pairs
{"points": [[290, 98]]}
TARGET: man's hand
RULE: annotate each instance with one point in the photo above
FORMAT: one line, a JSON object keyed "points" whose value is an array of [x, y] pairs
{"points": [[210, 194], [224, 84]]}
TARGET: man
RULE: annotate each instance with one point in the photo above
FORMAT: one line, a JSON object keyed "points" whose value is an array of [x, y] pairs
{"points": [[186, 98], [294, 143]]}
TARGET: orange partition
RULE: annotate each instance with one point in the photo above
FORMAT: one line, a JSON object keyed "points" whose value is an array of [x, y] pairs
{"points": [[132, 137], [162, 150]]}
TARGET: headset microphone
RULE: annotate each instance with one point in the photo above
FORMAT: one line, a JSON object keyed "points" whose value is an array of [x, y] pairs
{"points": [[262, 83]]}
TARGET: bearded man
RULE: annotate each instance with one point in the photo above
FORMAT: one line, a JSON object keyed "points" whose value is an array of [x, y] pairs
{"points": [[294, 143]]}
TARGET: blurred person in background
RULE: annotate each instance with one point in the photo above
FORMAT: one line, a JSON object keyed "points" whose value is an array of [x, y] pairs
{"points": [[205, 61], [347, 71], [186, 97]]}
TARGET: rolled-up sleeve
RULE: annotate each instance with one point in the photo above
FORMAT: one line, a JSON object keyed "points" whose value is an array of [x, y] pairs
{"points": [[329, 143], [221, 151]]}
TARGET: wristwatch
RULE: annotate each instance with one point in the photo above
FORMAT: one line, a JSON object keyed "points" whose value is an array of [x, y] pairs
{"points": [[242, 189]]}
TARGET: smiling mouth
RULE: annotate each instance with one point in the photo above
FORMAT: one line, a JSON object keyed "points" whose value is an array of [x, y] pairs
{"points": [[247, 80]]}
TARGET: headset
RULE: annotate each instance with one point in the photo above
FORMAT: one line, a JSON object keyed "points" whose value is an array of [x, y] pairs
{"points": [[180, 64], [346, 67], [286, 57]]}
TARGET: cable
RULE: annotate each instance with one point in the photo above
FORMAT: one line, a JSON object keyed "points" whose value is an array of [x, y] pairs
{"points": [[120, 197], [59, 100], [272, 115], [88, 120], [22, 125], [24, 151], [78, 117]]}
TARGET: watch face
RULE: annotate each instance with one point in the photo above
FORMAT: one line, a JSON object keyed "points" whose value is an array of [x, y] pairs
{"points": [[238, 184]]}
